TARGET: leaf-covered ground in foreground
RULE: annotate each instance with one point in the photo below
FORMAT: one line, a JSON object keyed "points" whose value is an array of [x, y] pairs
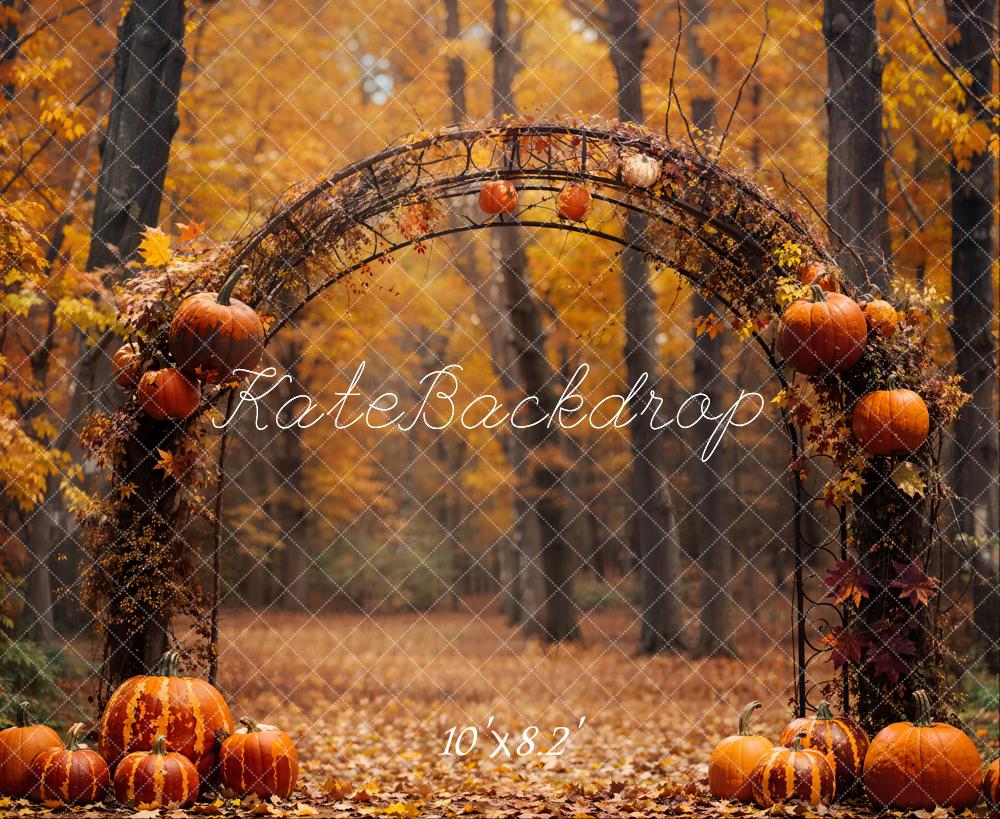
{"points": [[370, 701]]}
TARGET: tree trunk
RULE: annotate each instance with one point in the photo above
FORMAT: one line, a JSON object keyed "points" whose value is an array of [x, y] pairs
{"points": [[656, 530], [855, 174], [975, 465], [546, 491]]}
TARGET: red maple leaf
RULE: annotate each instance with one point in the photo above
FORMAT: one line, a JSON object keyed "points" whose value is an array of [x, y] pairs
{"points": [[845, 646], [914, 583], [889, 659], [848, 581]]}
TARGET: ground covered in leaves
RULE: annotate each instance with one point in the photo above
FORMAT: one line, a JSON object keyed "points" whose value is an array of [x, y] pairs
{"points": [[574, 731]]}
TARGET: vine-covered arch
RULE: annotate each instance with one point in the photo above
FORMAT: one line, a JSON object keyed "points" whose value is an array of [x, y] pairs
{"points": [[731, 239]]}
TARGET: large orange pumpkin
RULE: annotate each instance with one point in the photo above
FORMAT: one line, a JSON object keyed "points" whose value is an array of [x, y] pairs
{"points": [[156, 778], [72, 774], [735, 757], [827, 332], [498, 196], [841, 739], [212, 334], [186, 710], [991, 785], [815, 272], [167, 393], [259, 759], [574, 203], [19, 745], [126, 364], [923, 764], [890, 422], [795, 773]]}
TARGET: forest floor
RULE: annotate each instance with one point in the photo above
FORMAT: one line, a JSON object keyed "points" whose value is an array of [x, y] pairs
{"points": [[371, 701]]}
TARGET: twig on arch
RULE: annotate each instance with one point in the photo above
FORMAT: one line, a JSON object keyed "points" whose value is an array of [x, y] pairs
{"points": [[746, 78], [673, 71]]}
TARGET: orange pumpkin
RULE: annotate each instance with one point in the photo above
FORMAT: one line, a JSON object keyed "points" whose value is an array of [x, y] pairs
{"points": [[825, 333], [186, 710], [795, 773], [19, 745], [74, 774], [890, 422], [881, 316], [167, 393], [156, 778], [574, 203], [816, 273], [498, 196], [841, 739], [126, 364], [734, 758], [991, 785], [923, 764], [259, 759], [212, 334]]}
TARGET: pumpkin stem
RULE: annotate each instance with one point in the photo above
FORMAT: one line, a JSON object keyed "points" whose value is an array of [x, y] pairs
{"points": [[818, 295], [226, 291], [823, 710], [797, 742], [249, 724], [159, 746], [746, 716], [922, 704], [22, 714], [72, 739], [161, 359], [167, 667]]}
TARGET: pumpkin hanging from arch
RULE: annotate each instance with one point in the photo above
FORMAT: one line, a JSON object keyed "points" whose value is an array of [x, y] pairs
{"points": [[259, 759], [573, 203], [795, 773], [498, 196], [890, 422], [881, 316], [826, 333], [640, 170], [843, 741], [167, 394], [19, 745], [156, 778], [186, 710], [126, 365], [923, 764], [74, 774], [734, 758]]}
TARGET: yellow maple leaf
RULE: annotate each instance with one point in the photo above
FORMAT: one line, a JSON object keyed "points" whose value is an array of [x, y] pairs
{"points": [[155, 247], [909, 480]]}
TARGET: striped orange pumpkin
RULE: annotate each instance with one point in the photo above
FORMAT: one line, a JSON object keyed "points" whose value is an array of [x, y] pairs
{"points": [[156, 778], [796, 773], [259, 759], [840, 738], [72, 774], [186, 710], [991, 785]]}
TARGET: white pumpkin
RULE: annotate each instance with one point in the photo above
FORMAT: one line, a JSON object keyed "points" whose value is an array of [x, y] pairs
{"points": [[640, 170]]}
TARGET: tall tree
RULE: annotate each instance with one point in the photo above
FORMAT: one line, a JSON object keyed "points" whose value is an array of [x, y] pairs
{"points": [[659, 553], [546, 488], [855, 173], [710, 490], [973, 213]]}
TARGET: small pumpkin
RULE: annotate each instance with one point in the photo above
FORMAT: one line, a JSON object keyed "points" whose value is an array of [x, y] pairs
{"points": [[212, 334], [843, 741], [259, 759], [498, 196], [825, 333], [923, 764], [167, 393], [156, 778], [991, 785], [126, 364], [74, 774], [640, 170], [890, 422], [573, 203], [880, 315], [816, 272], [734, 758], [188, 711], [19, 745], [795, 773]]}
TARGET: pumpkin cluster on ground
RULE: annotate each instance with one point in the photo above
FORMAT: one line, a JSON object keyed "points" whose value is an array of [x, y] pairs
{"points": [[165, 738], [211, 337], [918, 765]]}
